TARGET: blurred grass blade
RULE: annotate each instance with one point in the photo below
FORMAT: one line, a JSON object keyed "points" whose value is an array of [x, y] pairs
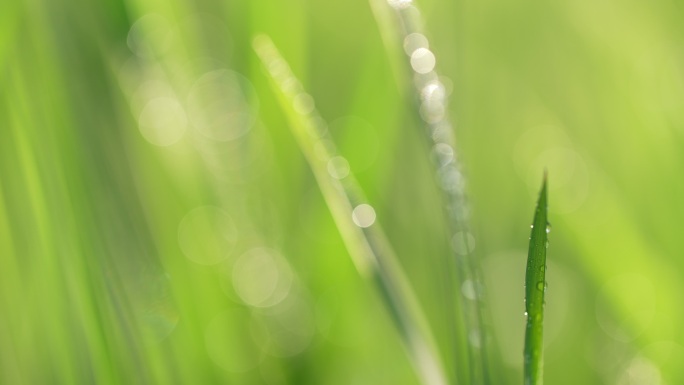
{"points": [[535, 286], [473, 336], [354, 217]]}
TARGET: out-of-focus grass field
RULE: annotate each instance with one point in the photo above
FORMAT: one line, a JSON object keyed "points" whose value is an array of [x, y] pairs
{"points": [[159, 224]]}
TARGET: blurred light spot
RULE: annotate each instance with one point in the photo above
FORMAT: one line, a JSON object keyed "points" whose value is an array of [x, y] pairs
{"points": [[150, 35], [432, 112], [263, 44], [475, 339], [420, 80], [422, 60], [442, 132], [279, 69], [442, 154], [458, 210], [625, 306], [303, 103], [292, 87], [163, 121], [463, 242], [237, 162], [640, 371], [468, 290], [320, 126], [261, 277], [414, 41], [149, 90], [400, 4], [230, 341], [338, 167], [433, 91], [363, 215], [207, 235], [290, 326], [668, 354], [450, 179], [222, 105], [447, 84]]}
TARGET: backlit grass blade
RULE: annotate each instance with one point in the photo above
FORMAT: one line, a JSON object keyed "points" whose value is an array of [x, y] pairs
{"points": [[427, 88], [535, 286], [355, 218]]}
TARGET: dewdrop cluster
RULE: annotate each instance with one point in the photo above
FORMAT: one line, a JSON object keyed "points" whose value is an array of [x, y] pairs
{"points": [[432, 93], [324, 149]]}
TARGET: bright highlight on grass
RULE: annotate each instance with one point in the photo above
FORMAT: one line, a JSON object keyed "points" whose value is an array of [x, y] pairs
{"points": [[535, 286]]}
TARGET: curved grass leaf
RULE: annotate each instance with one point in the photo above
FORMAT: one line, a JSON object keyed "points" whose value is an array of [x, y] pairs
{"points": [[365, 239], [473, 340], [535, 286]]}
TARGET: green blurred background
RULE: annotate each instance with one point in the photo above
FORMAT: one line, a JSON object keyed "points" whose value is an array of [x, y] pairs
{"points": [[159, 224]]}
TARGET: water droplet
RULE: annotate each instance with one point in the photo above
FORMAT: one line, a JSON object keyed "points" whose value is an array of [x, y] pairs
{"points": [[414, 41], [548, 227], [531, 226], [540, 285], [363, 215], [163, 121], [291, 86], [541, 268], [303, 103], [432, 111], [400, 4], [261, 277], [451, 179], [422, 60], [338, 167], [442, 154], [433, 92]]}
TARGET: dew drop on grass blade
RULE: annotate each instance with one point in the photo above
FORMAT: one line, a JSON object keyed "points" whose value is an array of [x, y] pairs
{"points": [[535, 287]]}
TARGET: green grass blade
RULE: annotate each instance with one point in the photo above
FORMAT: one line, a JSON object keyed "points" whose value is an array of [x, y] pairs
{"points": [[363, 236], [535, 286], [472, 337]]}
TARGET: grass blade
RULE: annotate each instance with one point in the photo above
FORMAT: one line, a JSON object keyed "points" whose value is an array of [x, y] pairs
{"points": [[368, 246], [535, 286], [473, 337]]}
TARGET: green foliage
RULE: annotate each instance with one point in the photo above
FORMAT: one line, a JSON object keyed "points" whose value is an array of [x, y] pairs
{"points": [[145, 238]]}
